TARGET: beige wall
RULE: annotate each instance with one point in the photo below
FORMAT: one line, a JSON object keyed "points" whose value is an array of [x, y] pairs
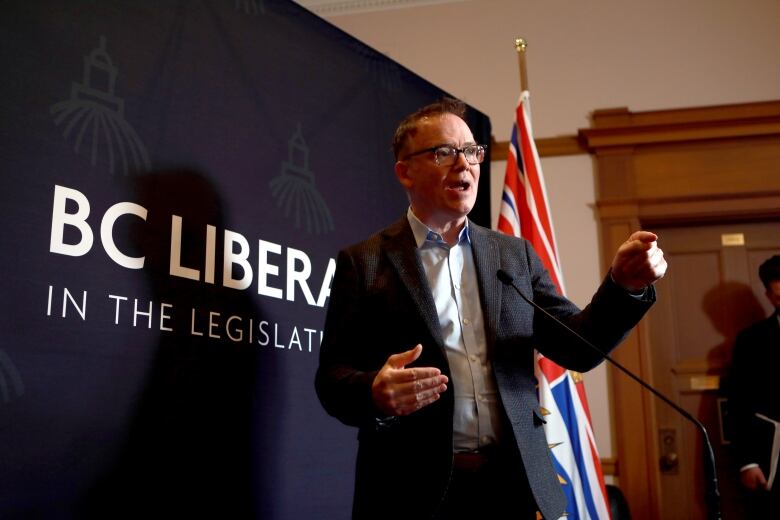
{"points": [[582, 55]]}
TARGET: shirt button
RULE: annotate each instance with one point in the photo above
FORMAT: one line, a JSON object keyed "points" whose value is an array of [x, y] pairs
{"points": [[466, 321], [473, 358]]}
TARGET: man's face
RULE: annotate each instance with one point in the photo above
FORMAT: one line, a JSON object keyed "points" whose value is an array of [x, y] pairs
{"points": [[439, 194], [773, 293]]}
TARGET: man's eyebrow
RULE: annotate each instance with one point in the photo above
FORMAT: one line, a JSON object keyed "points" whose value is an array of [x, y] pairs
{"points": [[453, 145]]}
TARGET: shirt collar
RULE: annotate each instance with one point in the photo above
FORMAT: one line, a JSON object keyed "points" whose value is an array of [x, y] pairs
{"points": [[423, 233]]}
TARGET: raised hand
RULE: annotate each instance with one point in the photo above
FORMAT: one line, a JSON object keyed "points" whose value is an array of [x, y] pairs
{"points": [[639, 262], [398, 390]]}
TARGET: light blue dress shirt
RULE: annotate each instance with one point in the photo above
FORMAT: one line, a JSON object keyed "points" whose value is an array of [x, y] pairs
{"points": [[452, 278]]}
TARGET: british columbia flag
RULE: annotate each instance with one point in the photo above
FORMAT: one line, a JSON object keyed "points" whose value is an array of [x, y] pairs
{"points": [[524, 213]]}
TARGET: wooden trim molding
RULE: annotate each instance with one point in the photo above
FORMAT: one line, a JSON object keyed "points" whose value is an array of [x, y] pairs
{"points": [[609, 466], [614, 128], [546, 147], [618, 127], [694, 210]]}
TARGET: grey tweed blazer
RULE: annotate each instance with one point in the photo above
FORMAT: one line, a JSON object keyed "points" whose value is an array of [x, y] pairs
{"points": [[380, 304]]}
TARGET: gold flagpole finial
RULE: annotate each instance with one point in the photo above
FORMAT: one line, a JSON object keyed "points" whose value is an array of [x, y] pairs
{"points": [[520, 46]]}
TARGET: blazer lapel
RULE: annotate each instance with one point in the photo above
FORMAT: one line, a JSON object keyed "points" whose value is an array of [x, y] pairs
{"points": [[487, 260], [401, 249]]}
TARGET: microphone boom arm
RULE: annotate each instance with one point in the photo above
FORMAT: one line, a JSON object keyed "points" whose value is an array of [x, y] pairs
{"points": [[712, 489]]}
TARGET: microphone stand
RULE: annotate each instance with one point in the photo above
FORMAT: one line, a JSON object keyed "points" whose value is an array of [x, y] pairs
{"points": [[711, 475]]}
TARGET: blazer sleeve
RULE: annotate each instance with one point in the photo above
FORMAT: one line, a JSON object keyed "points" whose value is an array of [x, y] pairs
{"points": [[343, 380], [605, 321]]}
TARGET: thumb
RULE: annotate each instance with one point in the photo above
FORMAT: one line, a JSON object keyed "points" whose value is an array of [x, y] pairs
{"points": [[404, 358], [643, 236]]}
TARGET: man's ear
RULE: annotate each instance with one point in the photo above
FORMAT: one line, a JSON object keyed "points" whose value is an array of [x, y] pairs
{"points": [[402, 172]]}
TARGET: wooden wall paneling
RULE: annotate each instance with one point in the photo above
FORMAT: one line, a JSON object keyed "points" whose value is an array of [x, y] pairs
{"points": [[680, 167], [631, 404]]}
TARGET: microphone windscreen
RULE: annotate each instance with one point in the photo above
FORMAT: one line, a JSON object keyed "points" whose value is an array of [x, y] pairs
{"points": [[505, 277]]}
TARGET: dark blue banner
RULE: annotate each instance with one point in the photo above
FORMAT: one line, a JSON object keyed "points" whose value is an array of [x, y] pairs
{"points": [[176, 179]]}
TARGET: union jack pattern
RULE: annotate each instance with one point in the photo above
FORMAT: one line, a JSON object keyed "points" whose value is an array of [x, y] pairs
{"points": [[524, 213]]}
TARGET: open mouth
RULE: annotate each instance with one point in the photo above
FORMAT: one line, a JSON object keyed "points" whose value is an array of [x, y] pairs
{"points": [[459, 185]]}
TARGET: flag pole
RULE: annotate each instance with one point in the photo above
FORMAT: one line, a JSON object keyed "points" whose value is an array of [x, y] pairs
{"points": [[520, 46], [524, 194]]}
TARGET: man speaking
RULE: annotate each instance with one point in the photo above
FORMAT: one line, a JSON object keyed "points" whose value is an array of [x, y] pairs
{"points": [[432, 357]]}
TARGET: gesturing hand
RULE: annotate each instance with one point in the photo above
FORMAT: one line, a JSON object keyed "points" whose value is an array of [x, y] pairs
{"points": [[638, 262], [400, 391], [753, 479]]}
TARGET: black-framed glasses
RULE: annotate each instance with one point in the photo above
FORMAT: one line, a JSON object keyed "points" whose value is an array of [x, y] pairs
{"points": [[447, 155]]}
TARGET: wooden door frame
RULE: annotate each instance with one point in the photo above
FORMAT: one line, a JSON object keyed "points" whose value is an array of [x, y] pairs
{"points": [[672, 167]]}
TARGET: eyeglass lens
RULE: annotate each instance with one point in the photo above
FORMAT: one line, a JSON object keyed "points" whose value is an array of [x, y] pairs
{"points": [[448, 155]]}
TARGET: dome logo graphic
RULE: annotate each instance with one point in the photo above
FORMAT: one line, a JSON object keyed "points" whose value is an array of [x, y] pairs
{"points": [[295, 192], [94, 117]]}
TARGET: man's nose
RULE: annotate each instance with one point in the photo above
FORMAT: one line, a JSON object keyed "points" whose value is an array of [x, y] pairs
{"points": [[460, 160]]}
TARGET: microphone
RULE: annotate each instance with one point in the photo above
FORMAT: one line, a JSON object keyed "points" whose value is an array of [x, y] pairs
{"points": [[712, 488]]}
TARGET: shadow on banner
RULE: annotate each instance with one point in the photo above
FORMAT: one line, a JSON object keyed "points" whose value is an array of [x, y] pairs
{"points": [[190, 445]]}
